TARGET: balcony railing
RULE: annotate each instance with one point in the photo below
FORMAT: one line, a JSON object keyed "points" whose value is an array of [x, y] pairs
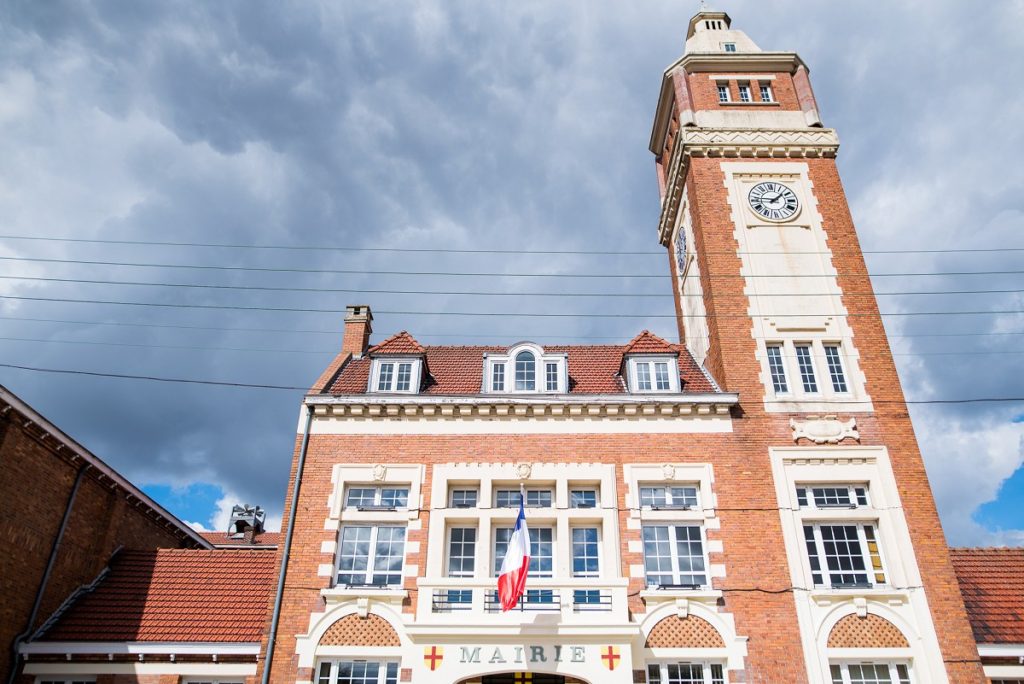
{"points": [[546, 599]]}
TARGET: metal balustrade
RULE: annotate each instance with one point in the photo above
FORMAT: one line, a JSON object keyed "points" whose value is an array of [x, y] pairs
{"points": [[568, 601]]}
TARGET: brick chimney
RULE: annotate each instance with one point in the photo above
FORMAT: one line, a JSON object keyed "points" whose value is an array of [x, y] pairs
{"points": [[358, 327]]}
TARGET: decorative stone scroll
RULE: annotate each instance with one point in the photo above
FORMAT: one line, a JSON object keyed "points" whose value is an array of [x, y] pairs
{"points": [[824, 429]]}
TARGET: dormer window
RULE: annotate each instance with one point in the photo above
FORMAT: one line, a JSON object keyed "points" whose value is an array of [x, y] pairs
{"points": [[729, 47], [395, 375], [526, 368], [653, 374]]}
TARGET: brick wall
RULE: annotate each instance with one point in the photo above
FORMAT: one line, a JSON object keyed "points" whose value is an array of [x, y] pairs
{"points": [[35, 488], [704, 91]]}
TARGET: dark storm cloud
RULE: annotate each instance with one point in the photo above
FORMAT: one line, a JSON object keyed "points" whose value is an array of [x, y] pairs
{"points": [[510, 126]]}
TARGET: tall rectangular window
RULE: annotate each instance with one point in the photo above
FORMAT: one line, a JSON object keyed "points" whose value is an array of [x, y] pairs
{"points": [[777, 369], [806, 365], [541, 550], [551, 376], [844, 555], [835, 367], [723, 92], [674, 555], [387, 370], [586, 563], [461, 551], [526, 365], [745, 92], [371, 555], [643, 377], [404, 375], [498, 377], [766, 93]]}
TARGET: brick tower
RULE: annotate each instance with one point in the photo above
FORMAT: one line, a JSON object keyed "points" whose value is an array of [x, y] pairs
{"points": [[773, 298]]}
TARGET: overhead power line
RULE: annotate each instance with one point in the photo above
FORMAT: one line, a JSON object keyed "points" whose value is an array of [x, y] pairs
{"points": [[470, 293], [478, 274], [465, 335], [153, 378], [327, 352], [452, 250], [226, 307]]}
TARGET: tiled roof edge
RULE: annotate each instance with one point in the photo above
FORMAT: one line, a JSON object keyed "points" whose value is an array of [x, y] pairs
{"points": [[74, 596]]}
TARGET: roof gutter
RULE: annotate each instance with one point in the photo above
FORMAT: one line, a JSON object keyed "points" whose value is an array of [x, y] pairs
{"points": [[18, 640], [286, 551]]}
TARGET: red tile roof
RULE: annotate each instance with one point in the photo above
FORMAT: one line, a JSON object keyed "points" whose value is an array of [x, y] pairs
{"points": [[648, 343], [400, 343], [458, 370], [992, 584], [174, 595], [225, 539]]}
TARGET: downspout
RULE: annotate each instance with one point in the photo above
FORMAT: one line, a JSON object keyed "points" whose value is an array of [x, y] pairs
{"points": [[20, 639], [269, 659]]}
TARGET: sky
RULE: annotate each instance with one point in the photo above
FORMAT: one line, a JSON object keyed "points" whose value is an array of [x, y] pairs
{"points": [[461, 126]]}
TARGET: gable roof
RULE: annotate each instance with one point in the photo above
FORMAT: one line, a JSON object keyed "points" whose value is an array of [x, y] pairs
{"points": [[177, 595], [648, 343], [593, 369], [399, 343], [992, 584]]}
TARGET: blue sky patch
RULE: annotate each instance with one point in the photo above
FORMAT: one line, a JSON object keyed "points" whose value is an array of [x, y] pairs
{"points": [[1005, 512], [196, 502]]}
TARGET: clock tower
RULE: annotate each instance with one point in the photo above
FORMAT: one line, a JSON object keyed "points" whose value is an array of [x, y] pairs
{"points": [[773, 298]]}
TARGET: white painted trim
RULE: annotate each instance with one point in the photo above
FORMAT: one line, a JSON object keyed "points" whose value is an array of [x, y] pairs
{"points": [[1000, 650], [729, 398], [1000, 671], [212, 670], [139, 647], [740, 77]]}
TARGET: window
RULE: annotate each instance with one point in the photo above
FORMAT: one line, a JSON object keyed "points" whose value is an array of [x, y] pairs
{"points": [[835, 367], [723, 92], [832, 496], [526, 364], [535, 498], [377, 498], [654, 375], [461, 551], [686, 673], [357, 672], [766, 93], [551, 376], [870, 673], [498, 377], [371, 556], [745, 92], [67, 681], [464, 498], [777, 368], [541, 550], [668, 497], [583, 498], [585, 563], [806, 365], [674, 556], [729, 47], [850, 552], [390, 381]]}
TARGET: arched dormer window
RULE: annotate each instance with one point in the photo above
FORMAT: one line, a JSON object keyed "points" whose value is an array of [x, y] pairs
{"points": [[526, 368], [526, 372]]}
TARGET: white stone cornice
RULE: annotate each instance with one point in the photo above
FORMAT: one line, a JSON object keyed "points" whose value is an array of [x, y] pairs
{"points": [[737, 143]]}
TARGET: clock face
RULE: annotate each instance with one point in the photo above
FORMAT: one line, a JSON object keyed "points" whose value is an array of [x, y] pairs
{"points": [[773, 201], [681, 250]]}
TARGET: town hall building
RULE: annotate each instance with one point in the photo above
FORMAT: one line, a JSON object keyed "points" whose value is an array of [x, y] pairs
{"points": [[746, 504]]}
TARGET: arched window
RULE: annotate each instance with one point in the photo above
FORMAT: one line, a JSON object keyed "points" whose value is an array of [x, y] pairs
{"points": [[526, 372]]}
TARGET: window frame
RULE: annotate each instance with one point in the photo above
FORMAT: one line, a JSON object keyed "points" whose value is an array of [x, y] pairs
{"points": [[857, 493], [651, 362], [526, 498], [371, 556], [676, 570], [707, 665], [806, 368], [892, 665], [394, 363], [816, 364], [497, 559], [449, 540], [670, 503], [729, 47], [724, 92], [383, 676], [836, 367], [745, 92], [507, 380], [766, 87], [378, 497], [459, 488], [582, 490], [826, 574]]}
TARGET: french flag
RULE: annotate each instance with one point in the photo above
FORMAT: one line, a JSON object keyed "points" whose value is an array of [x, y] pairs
{"points": [[516, 563]]}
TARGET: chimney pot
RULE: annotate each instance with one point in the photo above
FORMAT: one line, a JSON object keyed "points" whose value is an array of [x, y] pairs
{"points": [[358, 327]]}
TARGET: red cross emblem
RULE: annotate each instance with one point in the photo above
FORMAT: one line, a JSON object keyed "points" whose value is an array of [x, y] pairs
{"points": [[611, 657], [433, 656]]}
